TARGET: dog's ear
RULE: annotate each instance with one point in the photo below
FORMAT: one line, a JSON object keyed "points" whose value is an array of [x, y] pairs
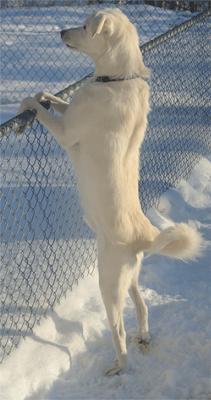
{"points": [[101, 23]]}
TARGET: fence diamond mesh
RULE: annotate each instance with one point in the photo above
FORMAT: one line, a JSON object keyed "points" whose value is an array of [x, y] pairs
{"points": [[45, 245], [32, 54]]}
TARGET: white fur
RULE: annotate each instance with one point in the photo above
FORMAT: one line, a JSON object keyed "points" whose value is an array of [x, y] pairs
{"points": [[102, 130]]}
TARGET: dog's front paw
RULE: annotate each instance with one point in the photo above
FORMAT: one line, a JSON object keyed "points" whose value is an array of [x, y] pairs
{"points": [[41, 96], [27, 104]]}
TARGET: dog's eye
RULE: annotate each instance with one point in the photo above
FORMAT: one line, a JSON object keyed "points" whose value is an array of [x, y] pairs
{"points": [[84, 27]]}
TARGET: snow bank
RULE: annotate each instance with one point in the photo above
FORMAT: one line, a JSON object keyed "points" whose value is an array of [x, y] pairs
{"points": [[7, 111], [67, 354]]}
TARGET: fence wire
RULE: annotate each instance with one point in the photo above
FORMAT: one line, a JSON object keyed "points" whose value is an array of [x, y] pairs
{"points": [[32, 56], [45, 245]]}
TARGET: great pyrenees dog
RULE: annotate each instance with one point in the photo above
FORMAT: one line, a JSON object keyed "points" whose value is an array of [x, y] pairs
{"points": [[102, 130]]}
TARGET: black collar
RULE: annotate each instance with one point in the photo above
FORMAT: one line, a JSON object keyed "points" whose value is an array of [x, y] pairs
{"points": [[109, 79]]}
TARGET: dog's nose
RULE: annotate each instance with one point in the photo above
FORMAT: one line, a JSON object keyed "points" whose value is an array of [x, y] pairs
{"points": [[62, 33]]}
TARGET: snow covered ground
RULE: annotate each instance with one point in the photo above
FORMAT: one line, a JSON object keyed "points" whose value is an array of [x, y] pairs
{"points": [[67, 354]]}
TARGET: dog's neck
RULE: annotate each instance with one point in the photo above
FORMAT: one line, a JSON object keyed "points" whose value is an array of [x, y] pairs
{"points": [[114, 69], [120, 65]]}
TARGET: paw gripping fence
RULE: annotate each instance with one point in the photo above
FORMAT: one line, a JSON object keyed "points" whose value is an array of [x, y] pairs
{"points": [[45, 245]]}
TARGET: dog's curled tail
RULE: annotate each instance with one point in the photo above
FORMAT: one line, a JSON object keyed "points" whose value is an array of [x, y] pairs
{"points": [[180, 241]]}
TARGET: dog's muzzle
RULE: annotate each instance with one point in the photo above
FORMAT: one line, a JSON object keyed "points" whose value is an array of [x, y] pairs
{"points": [[65, 36]]}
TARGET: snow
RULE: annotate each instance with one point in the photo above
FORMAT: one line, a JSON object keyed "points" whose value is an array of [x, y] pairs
{"points": [[66, 356], [7, 111]]}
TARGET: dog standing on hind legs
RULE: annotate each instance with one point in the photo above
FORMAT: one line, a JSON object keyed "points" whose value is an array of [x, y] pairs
{"points": [[102, 130]]}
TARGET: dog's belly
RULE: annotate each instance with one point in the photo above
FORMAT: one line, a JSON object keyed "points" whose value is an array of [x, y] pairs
{"points": [[110, 207], [87, 185]]}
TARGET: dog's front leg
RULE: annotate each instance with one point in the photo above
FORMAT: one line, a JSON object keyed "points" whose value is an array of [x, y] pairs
{"points": [[57, 103], [53, 123]]}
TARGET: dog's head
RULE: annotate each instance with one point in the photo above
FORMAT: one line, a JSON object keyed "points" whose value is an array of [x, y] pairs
{"points": [[107, 32], [96, 33]]}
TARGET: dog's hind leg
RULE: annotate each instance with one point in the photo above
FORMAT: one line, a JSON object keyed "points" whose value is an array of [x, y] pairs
{"points": [[114, 279], [141, 308], [114, 309]]}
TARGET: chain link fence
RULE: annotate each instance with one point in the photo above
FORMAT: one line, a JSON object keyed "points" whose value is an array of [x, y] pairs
{"points": [[45, 245], [32, 55]]}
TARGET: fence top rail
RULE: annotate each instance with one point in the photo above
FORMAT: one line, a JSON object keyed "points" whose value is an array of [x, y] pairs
{"points": [[21, 121]]}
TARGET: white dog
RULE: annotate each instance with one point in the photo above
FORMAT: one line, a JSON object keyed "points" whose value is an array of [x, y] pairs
{"points": [[102, 130]]}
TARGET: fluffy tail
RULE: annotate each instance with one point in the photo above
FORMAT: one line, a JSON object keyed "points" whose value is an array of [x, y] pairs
{"points": [[179, 241]]}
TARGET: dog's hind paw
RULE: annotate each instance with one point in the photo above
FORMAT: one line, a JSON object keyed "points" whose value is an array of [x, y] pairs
{"points": [[113, 371], [143, 343], [144, 346]]}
